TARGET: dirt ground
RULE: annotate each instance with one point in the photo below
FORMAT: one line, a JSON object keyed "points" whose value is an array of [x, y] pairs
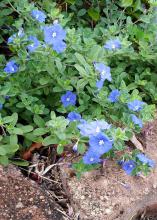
{"points": [[110, 194], [23, 199], [104, 194]]}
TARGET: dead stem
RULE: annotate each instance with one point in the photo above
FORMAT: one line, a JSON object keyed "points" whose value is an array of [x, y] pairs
{"points": [[136, 143]]}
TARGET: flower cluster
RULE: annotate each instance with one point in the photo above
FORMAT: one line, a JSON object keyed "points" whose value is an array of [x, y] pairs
{"points": [[11, 67], [74, 116], [113, 44], [104, 72], [93, 128], [130, 165], [12, 38], [98, 145], [69, 98], [98, 135], [34, 45], [55, 35], [99, 142], [38, 15], [114, 95]]}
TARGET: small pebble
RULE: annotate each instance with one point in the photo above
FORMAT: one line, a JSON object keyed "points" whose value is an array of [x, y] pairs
{"points": [[19, 205], [108, 211], [49, 212]]}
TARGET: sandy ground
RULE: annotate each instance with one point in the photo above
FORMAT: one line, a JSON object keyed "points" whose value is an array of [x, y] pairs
{"points": [[110, 194]]}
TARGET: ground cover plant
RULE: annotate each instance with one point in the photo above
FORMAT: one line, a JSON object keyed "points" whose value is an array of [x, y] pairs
{"points": [[90, 88]]}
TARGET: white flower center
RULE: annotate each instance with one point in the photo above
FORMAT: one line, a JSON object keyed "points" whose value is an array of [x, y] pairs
{"points": [[131, 166], [97, 129], [91, 159], [101, 142], [103, 72], [12, 68], [54, 34], [68, 99], [136, 107], [37, 16], [31, 45], [113, 46]]}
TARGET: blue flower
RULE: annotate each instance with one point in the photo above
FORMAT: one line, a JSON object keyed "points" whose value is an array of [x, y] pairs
{"points": [[91, 157], [104, 71], [128, 166], [93, 128], [14, 36], [7, 97], [69, 98], [34, 45], [75, 147], [11, 67], [136, 120], [11, 38], [100, 144], [114, 95], [38, 15], [113, 44], [135, 105], [145, 160], [1, 106], [73, 116], [59, 46], [99, 84], [54, 34]]}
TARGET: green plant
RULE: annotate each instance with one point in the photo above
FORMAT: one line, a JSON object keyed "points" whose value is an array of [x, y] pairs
{"points": [[35, 82]]}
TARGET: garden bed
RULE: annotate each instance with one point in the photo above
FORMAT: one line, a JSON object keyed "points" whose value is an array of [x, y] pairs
{"points": [[111, 194], [77, 97]]}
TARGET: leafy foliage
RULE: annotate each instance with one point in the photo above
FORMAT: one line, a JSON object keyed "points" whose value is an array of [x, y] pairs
{"points": [[30, 94]]}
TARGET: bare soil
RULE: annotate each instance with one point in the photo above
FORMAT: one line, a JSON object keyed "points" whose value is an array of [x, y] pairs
{"points": [[23, 199], [110, 194], [104, 194]]}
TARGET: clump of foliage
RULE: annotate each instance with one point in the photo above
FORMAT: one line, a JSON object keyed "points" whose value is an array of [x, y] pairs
{"points": [[82, 86]]}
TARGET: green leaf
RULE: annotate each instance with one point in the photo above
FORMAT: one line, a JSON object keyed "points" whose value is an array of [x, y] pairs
{"points": [[21, 163], [81, 70], [126, 3], [81, 84], [12, 148], [50, 140], [11, 119], [40, 131], [33, 138], [71, 1], [94, 14], [13, 139], [81, 148], [81, 59], [8, 149], [1, 137], [16, 131], [83, 62], [39, 121], [60, 149], [26, 129], [53, 115], [4, 160], [44, 80], [81, 12], [3, 150]]}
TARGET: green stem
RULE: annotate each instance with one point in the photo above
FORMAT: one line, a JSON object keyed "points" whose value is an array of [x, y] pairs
{"points": [[40, 87]]}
